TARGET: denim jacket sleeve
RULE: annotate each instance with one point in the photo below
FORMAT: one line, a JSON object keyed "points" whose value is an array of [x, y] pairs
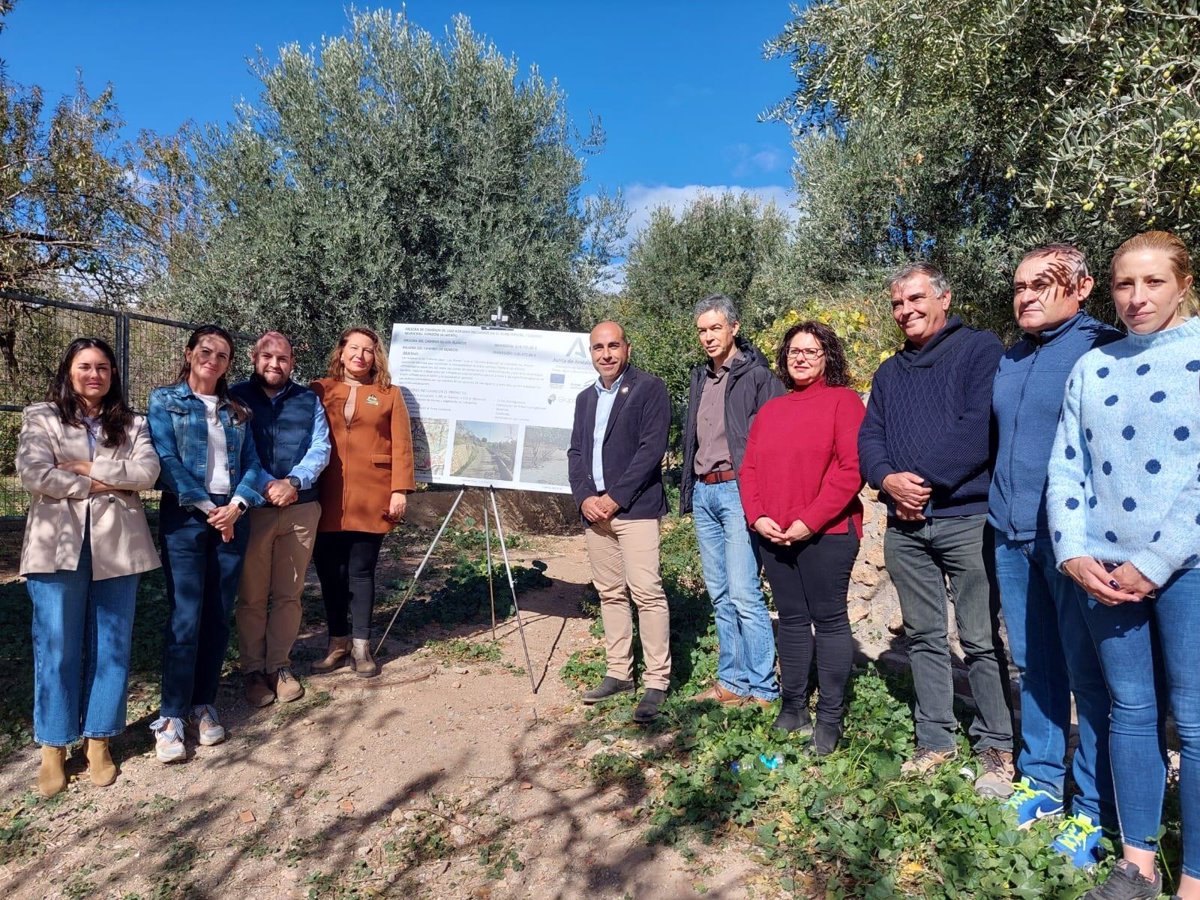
{"points": [[174, 475], [251, 469]]}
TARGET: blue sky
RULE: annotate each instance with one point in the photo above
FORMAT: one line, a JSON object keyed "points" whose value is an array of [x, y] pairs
{"points": [[677, 85]]}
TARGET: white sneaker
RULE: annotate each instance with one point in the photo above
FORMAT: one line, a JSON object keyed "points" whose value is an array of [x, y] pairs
{"points": [[208, 726], [168, 739]]}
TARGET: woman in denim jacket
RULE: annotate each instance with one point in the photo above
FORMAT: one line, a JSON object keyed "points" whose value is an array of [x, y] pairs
{"points": [[209, 469]]}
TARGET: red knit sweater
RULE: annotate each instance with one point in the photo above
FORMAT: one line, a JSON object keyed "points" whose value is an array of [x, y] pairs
{"points": [[802, 461]]}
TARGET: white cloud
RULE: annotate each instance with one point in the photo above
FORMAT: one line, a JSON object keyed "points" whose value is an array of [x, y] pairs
{"points": [[751, 160], [643, 199]]}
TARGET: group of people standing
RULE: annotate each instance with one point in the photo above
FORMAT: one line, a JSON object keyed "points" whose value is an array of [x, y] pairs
{"points": [[1064, 471], [256, 479], [1058, 480]]}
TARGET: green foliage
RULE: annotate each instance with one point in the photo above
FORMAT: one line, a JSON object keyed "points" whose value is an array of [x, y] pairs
{"points": [[391, 177], [969, 131], [841, 826], [728, 244], [459, 650]]}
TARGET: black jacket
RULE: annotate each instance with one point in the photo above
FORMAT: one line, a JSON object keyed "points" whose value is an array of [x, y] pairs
{"points": [[749, 385], [633, 447]]}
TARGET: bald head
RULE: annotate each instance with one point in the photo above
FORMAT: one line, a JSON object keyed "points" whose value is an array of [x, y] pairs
{"points": [[610, 351]]}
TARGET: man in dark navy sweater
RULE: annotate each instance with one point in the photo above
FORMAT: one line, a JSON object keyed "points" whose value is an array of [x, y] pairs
{"points": [[615, 470], [291, 435], [925, 445]]}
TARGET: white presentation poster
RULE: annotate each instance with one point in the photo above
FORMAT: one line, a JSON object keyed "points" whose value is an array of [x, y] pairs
{"points": [[491, 406]]}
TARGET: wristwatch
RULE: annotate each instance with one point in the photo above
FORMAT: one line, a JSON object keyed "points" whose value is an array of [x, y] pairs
{"points": [[294, 481], [240, 503]]}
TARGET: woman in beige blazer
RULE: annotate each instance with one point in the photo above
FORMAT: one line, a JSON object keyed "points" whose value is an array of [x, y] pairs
{"points": [[83, 456]]}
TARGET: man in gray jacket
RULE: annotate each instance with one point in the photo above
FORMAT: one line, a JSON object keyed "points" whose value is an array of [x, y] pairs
{"points": [[725, 394]]}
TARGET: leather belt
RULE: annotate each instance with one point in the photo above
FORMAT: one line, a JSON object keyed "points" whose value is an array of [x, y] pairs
{"points": [[717, 477]]}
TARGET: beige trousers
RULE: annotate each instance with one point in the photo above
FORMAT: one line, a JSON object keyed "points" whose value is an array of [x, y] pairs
{"points": [[624, 555], [277, 555]]}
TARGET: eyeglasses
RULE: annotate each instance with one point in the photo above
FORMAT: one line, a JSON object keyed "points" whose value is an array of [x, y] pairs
{"points": [[812, 354]]}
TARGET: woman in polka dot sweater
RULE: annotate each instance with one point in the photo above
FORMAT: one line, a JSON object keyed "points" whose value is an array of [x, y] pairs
{"points": [[1124, 504]]}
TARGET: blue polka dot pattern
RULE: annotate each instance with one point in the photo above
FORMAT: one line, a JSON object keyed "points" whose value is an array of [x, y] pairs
{"points": [[1111, 401], [1087, 433], [1182, 433], [1143, 368], [1070, 452], [1057, 536], [1130, 505], [1191, 561], [1157, 535], [1102, 371], [1153, 467], [1110, 536], [1158, 397], [1128, 432], [1194, 365], [1092, 501], [1072, 503], [1107, 468]]}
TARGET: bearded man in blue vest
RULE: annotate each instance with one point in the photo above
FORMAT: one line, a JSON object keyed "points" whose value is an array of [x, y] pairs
{"points": [[291, 434]]}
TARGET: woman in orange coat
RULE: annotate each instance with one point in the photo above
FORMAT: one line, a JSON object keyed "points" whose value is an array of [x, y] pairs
{"points": [[362, 491]]}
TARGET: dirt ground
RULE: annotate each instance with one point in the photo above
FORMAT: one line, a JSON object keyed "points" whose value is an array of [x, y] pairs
{"points": [[441, 778]]}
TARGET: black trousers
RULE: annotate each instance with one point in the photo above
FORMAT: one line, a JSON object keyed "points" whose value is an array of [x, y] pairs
{"points": [[809, 582], [345, 563]]}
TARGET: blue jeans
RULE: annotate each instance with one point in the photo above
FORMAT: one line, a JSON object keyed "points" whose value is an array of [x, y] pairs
{"points": [[920, 557], [729, 556], [82, 633], [1148, 652], [1052, 648], [202, 574]]}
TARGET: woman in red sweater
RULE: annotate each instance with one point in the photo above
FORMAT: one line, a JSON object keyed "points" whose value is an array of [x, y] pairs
{"points": [[799, 484]]}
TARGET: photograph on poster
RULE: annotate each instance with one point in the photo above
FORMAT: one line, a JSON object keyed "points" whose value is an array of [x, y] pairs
{"points": [[484, 450]]}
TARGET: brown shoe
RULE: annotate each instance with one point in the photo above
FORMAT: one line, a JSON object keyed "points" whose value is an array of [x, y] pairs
{"points": [[336, 656], [361, 659], [996, 773], [52, 774], [256, 686], [721, 695], [925, 759], [287, 688], [760, 702], [101, 768]]}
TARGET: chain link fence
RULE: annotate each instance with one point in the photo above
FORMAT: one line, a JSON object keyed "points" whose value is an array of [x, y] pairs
{"points": [[34, 334]]}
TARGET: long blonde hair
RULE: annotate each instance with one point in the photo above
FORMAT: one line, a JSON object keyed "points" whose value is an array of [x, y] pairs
{"points": [[1177, 252], [379, 370]]}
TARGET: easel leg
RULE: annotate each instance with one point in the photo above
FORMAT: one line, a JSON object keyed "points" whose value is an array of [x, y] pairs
{"points": [[512, 588], [487, 542], [428, 553]]}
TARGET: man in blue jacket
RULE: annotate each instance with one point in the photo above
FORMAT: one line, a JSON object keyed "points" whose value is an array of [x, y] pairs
{"points": [[1043, 608], [615, 469], [724, 396], [925, 446], [291, 435]]}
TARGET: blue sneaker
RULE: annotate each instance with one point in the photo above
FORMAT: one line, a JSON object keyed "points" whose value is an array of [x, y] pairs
{"points": [[1030, 804], [1079, 841]]}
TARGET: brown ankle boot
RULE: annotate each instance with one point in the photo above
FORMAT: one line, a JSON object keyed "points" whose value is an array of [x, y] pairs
{"points": [[52, 775], [364, 664], [101, 768], [336, 656]]}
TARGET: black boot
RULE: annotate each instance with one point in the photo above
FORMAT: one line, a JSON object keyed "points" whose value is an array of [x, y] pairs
{"points": [[825, 737], [794, 719]]}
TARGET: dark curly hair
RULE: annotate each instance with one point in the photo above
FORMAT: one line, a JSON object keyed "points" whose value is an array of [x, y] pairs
{"points": [[115, 414], [836, 371]]}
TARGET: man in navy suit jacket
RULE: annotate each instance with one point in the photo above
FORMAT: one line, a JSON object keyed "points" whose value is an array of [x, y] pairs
{"points": [[615, 465]]}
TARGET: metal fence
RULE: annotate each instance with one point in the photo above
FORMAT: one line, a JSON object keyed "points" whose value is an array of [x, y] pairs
{"points": [[34, 333]]}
